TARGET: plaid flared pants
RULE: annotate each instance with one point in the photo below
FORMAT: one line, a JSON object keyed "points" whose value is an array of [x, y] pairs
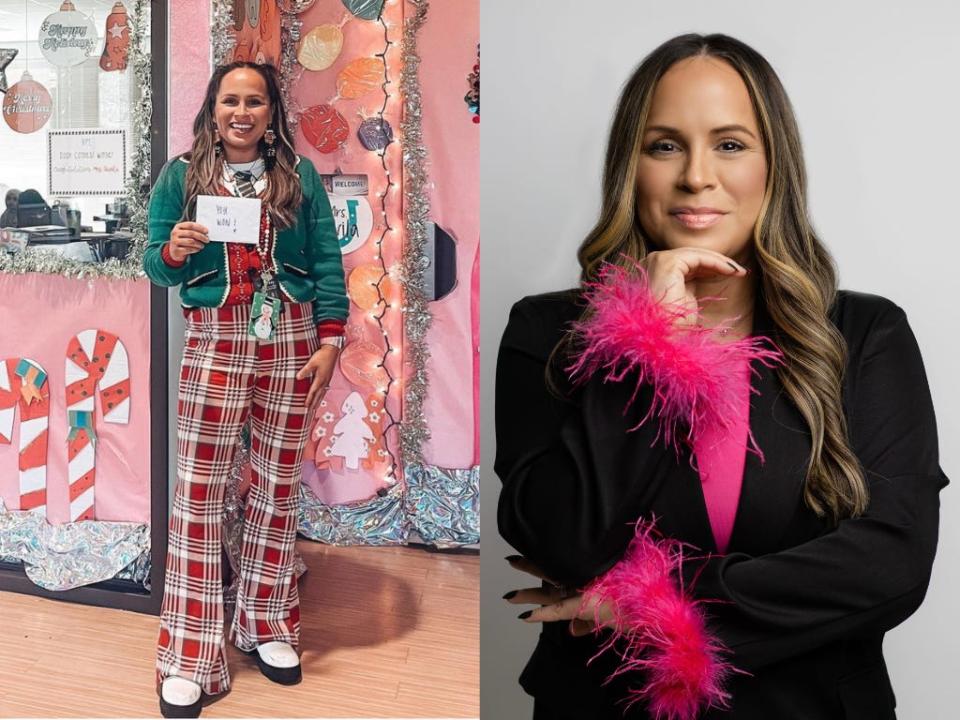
{"points": [[227, 375]]}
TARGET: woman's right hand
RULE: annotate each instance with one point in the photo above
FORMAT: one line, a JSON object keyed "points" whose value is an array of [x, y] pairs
{"points": [[187, 238], [670, 274]]}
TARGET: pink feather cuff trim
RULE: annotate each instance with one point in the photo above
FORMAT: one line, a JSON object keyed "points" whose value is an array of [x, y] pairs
{"points": [[660, 631], [628, 330]]}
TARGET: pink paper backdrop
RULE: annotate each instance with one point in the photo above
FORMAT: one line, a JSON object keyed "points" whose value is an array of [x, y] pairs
{"points": [[362, 38], [41, 314], [189, 69], [448, 52]]}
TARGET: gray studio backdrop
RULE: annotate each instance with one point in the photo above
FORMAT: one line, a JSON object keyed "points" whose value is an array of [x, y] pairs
{"points": [[874, 85]]}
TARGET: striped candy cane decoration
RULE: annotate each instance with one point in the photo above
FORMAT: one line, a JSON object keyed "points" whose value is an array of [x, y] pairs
{"points": [[95, 358], [23, 382]]}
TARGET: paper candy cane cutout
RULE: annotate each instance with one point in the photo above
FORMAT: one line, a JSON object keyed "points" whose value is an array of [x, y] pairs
{"points": [[23, 382], [96, 361]]}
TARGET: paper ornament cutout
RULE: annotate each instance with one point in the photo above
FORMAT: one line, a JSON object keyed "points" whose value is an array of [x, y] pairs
{"points": [[268, 19], [375, 133], [360, 77], [364, 9], [472, 98], [23, 384], [6, 57], [239, 14], [257, 32], [320, 47], [360, 364], [354, 220], [352, 436], [252, 11], [96, 363], [324, 128], [67, 37], [27, 105], [116, 46], [362, 286]]}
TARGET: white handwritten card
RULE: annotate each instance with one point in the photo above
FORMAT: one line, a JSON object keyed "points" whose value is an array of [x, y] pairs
{"points": [[230, 219]]}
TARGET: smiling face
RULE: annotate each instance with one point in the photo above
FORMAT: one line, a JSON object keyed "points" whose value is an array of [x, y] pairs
{"points": [[242, 113], [703, 170]]}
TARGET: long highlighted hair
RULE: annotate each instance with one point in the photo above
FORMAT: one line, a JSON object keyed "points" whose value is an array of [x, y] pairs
{"points": [[796, 273], [283, 194]]}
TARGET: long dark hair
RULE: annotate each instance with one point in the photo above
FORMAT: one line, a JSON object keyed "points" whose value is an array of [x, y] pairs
{"points": [[797, 275], [283, 194]]}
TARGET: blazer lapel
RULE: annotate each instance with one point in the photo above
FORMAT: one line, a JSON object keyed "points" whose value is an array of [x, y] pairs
{"points": [[681, 508], [772, 488]]}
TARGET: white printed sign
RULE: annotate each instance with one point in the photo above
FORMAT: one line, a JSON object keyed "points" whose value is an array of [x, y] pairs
{"points": [[230, 219], [86, 162]]}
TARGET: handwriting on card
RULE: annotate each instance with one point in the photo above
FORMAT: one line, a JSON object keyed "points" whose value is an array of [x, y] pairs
{"points": [[230, 219], [224, 220]]}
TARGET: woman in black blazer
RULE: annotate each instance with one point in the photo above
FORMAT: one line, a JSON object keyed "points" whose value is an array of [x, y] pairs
{"points": [[613, 399]]}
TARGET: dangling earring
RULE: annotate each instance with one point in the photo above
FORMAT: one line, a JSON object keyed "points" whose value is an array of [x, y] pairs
{"points": [[270, 155], [217, 144]]}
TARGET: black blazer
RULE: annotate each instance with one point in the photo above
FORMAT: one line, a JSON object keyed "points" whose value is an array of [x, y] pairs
{"points": [[803, 606]]}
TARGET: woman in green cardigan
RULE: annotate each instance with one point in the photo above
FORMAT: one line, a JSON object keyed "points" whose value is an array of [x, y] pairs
{"points": [[264, 326]]}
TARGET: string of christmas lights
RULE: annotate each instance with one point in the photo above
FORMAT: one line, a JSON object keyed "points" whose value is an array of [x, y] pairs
{"points": [[385, 303]]}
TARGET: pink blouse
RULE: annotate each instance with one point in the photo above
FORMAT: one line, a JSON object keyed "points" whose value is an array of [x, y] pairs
{"points": [[721, 453]]}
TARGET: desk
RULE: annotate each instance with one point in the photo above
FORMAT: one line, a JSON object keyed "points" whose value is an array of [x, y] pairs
{"points": [[103, 246]]}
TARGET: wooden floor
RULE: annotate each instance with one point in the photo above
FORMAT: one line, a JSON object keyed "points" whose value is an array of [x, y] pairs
{"points": [[386, 632]]}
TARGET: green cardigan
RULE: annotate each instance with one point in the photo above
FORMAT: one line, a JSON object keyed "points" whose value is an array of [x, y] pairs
{"points": [[307, 256]]}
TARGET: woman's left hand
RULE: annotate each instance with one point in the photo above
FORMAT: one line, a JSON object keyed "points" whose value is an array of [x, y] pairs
{"points": [[320, 365], [558, 603]]}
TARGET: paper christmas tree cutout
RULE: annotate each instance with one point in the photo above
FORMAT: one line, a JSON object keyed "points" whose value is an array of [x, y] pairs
{"points": [[351, 434]]}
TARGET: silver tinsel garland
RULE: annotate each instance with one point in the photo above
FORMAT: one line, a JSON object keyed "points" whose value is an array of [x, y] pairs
{"points": [[290, 70], [137, 186], [416, 320], [222, 35]]}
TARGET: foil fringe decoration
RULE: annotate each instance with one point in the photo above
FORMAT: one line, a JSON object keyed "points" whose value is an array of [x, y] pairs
{"points": [[417, 318], [138, 571], [67, 556], [437, 506], [443, 504], [380, 520], [136, 187]]}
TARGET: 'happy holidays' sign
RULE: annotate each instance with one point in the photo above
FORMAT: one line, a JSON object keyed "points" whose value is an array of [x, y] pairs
{"points": [[67, 37]]}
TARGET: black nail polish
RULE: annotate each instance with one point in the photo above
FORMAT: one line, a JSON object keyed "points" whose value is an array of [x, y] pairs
{"points": [[524, 615], [512, 593], [513, 558], [733, 265]]}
